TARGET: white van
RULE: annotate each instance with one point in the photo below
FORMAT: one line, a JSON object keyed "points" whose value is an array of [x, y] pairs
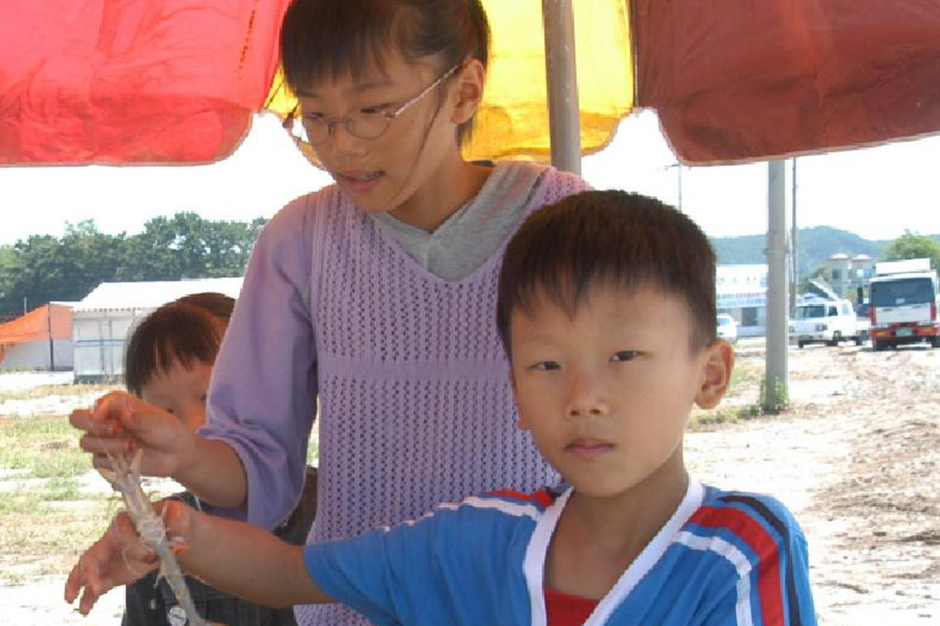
{"points": [[903, 305], [828, 322]]}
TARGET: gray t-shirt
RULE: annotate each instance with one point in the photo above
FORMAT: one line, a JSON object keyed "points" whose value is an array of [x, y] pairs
{"points": [[475, 231]]}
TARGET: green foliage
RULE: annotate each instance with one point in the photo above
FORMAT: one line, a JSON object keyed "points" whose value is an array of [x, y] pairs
{"points": [[912, 245], [776, 402], [814, 245], [44, 268]]}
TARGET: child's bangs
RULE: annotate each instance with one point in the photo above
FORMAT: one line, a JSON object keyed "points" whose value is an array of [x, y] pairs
{"points": [[326, 41]]}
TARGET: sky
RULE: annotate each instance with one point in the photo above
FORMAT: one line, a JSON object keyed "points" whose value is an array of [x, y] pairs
{"points": [[877, 193]]}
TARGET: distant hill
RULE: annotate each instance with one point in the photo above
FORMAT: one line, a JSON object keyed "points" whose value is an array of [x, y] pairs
{"points": [[814, 245]]}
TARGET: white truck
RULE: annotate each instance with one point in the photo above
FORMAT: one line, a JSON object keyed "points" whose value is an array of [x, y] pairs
{"points": [[827, 321], [902, 298]]}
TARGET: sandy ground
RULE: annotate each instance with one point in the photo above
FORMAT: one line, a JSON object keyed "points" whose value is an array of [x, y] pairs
{"points": [[856, 458]]}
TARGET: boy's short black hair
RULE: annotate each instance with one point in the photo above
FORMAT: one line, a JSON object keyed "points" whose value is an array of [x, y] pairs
{"points": [[626, 239], [186, 331]]}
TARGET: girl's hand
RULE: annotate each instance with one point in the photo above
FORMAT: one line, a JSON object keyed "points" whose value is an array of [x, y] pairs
{"points": [[121, 422], [118, 558]]}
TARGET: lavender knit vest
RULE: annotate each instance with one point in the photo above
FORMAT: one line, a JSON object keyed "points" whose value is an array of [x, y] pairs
{"points": [[415, 406]]}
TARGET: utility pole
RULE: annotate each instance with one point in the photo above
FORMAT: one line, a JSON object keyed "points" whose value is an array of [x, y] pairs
{"points": [[794, 271], [776, 379]]}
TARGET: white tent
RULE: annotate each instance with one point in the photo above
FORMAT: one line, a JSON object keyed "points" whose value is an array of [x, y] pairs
{"points": [[103, 320]]}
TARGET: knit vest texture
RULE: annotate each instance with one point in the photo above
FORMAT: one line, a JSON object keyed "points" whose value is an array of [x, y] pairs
{"points": [[415, 405]]}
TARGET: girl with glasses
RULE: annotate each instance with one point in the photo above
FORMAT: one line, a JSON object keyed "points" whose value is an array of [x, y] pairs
{"points": [[368, 305]]}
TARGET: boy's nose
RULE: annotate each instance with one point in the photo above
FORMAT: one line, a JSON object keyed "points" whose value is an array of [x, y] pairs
{"points": [[587, 398]]}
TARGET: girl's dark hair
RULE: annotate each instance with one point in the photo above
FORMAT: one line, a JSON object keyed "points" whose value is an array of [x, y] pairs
{"points": [[328, 39], [186, 331], [608, 237]]}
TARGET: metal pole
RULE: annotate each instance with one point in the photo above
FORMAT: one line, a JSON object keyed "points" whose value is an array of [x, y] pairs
{"points": [[51, 342], [776, 379], [680, 187], [794, 255], [561, 75]]}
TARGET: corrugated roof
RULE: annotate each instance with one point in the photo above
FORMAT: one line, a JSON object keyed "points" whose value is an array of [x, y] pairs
{"points": [[149, 295]]}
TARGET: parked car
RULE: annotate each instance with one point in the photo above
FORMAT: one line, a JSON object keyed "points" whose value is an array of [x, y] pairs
{"points": [[727, 328], [829, 322], [862, 321]]}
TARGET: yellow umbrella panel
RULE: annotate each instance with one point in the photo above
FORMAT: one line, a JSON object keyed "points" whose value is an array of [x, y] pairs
{"points": [[513, 120]]}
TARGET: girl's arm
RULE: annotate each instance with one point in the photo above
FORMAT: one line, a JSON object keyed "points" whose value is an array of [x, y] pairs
{"points": [[262, 397]]}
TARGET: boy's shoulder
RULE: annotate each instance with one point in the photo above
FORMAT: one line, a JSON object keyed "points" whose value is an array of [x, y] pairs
{"points": [[753, 518], [502, 507]]}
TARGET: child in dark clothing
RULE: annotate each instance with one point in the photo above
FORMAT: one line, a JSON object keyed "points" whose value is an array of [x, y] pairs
{"points": [[168, 364]]}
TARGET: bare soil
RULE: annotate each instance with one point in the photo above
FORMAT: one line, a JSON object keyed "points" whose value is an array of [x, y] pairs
{"points": [[855, 457]]}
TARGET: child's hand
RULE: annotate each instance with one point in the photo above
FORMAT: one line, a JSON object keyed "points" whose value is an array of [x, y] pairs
{"points": [[118, 558], [119, 422]]}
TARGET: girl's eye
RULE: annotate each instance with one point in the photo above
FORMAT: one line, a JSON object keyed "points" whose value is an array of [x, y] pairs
{"points": [[625, 355], [370, 111], [546, 366]]}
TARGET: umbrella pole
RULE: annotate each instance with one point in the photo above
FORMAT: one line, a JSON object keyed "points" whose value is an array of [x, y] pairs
{"points": [[562, 84]]}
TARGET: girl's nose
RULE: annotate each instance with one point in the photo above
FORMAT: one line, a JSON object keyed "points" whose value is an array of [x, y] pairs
{"points": [[345, 143]]}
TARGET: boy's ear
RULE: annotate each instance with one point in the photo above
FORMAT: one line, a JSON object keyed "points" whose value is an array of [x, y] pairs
{"points": [[522, 424], [716, 374], [469, 92]]}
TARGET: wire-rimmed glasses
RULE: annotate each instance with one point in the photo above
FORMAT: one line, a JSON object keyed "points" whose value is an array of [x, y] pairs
{"points": [[364, 123]]}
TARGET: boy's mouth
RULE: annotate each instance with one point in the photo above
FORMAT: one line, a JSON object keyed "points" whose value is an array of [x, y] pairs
{"points": [[589, 448]]}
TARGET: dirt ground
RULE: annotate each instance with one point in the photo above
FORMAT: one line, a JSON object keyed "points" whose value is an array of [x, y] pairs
{"points": [[856, 457]]}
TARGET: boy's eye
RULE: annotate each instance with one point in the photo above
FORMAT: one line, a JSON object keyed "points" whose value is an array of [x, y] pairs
{"points": [[204, 398], [625, 355], [545, 366]]}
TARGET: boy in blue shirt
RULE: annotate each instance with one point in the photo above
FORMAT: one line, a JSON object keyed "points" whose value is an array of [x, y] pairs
{"points": [[606, 310]]}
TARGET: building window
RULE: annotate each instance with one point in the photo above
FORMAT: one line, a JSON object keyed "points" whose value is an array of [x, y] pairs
{"points": [[836, 275]]}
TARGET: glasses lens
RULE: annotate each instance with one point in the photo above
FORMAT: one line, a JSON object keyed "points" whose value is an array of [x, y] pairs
{"points": [[315, 130], [367, 123]]}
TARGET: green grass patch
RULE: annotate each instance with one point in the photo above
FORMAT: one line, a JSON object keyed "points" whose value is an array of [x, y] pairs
{"points": [[44, 446], [42, 391]]}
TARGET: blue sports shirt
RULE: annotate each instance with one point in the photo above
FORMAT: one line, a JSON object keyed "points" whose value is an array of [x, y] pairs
{"points": [[723, 558]]}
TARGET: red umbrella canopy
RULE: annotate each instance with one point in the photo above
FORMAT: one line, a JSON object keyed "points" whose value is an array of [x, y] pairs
{"points": [[132, 81], [176, 81]]}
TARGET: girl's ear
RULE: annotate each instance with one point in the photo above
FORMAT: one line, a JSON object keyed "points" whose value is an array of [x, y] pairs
{"points": [[468, 94], [716, 374]]}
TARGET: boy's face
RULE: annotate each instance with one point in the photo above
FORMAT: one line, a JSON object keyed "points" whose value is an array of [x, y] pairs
{"points": [[180, 391], [606, 393]]}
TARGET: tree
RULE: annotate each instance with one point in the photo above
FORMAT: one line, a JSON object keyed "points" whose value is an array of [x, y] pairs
{"points": [[912, 245], [43, 268], [188, 246]]}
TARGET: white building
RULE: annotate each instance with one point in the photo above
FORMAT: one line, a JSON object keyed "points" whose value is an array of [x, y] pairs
{"points": [[102, 322], [741, 291]]}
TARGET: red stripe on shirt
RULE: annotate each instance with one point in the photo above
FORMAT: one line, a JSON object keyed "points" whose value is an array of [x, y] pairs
{"points": [[543, 497], [768, 567]]}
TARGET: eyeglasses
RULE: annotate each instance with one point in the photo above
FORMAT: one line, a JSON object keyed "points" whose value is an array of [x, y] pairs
{"points": [[364, 123]]}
